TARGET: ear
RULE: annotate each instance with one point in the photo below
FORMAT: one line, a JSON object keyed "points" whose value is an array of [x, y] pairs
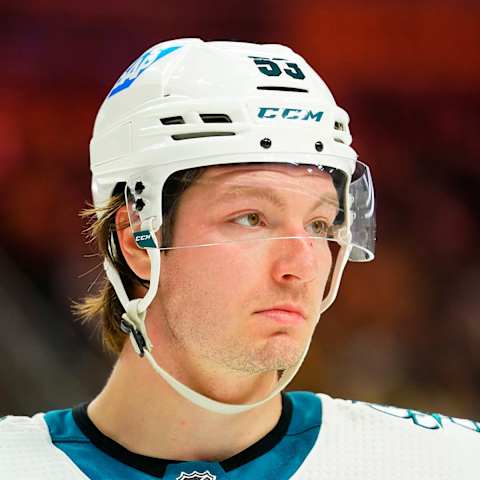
{"points": [[136, 258]]}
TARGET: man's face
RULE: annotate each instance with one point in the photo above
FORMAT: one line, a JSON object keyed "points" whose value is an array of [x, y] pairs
{"points": [[233, 304]]}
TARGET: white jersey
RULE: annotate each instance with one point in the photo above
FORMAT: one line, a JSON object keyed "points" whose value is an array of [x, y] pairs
{"points": [[375, 442], [316, 438]]}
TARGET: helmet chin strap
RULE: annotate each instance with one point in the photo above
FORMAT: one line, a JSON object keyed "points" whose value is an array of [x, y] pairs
{"points": [[133, 323]]}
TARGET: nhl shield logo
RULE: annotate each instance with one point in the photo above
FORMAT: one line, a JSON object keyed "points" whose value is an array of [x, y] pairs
{"points": [[197, 476]]}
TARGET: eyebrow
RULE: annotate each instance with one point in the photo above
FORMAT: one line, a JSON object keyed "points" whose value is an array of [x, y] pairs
{"points": [[270, 195]]}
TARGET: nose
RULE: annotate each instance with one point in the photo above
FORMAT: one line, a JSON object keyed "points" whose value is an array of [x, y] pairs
{"points": [[300, 260]]}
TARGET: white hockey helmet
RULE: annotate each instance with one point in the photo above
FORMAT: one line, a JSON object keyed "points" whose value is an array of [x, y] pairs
{"points": [[187, 103]]}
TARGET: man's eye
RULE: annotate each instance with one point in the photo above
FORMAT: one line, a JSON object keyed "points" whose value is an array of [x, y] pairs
{"points": [[249, 220], [320, 227]]}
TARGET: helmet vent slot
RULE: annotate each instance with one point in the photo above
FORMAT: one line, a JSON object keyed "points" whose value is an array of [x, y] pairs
{"points": [[215, 118], [284, 89], [186, 136], [339, 126], [339, 140], [172, 120]]}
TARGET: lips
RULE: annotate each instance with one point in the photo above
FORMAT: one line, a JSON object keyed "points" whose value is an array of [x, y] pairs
{"points": [[284, 313], [288, 308]]}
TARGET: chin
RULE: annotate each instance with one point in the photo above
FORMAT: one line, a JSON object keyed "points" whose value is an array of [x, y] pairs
{"points": [[280, 355]]}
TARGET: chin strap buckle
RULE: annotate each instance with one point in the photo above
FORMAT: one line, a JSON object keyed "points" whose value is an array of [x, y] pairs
{"points": [[131, 323], [135, 335]]}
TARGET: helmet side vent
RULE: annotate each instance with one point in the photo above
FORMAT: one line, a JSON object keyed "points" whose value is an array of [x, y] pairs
{"points": [[284, 89], [187, 136], [215, 118], [339, 126], [172, 120]]}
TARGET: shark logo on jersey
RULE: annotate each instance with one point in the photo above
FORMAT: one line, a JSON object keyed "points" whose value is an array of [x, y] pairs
{"points": [[138, 67], [197, 476]]}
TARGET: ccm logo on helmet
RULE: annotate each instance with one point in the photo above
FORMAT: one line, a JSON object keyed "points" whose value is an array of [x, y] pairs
{"points": [[289, 113], [138, 67]]}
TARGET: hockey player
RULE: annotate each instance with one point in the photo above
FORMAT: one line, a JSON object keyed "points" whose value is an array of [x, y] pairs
{"points": [[228, 201]]}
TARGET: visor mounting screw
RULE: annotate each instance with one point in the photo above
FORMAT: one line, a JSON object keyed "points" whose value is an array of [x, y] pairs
{"points": [[139, 204], [139, 188], [265, 143], [319, 146]]}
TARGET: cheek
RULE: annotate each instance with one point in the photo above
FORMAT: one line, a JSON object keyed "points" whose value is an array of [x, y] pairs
{"points": [[210, 275], [206, 294]]}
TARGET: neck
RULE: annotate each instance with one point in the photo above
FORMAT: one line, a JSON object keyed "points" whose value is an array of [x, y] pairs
{"points": [[138, 410]]}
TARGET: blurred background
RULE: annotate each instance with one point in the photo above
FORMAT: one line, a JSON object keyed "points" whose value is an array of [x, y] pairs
{"points": [[404, 330]]}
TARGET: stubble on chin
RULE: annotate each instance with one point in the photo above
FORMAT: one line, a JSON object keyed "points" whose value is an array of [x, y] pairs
{"points": [[275, 354]]}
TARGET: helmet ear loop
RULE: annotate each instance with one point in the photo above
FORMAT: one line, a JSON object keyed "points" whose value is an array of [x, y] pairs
{"points": [[133, 320], [137, 309]]}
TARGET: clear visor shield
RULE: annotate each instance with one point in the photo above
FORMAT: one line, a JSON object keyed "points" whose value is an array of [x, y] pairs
{"points": [[247, 205]]}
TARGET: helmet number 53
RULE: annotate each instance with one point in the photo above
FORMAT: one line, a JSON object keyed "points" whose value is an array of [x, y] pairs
{"points": [[270, 67]]}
